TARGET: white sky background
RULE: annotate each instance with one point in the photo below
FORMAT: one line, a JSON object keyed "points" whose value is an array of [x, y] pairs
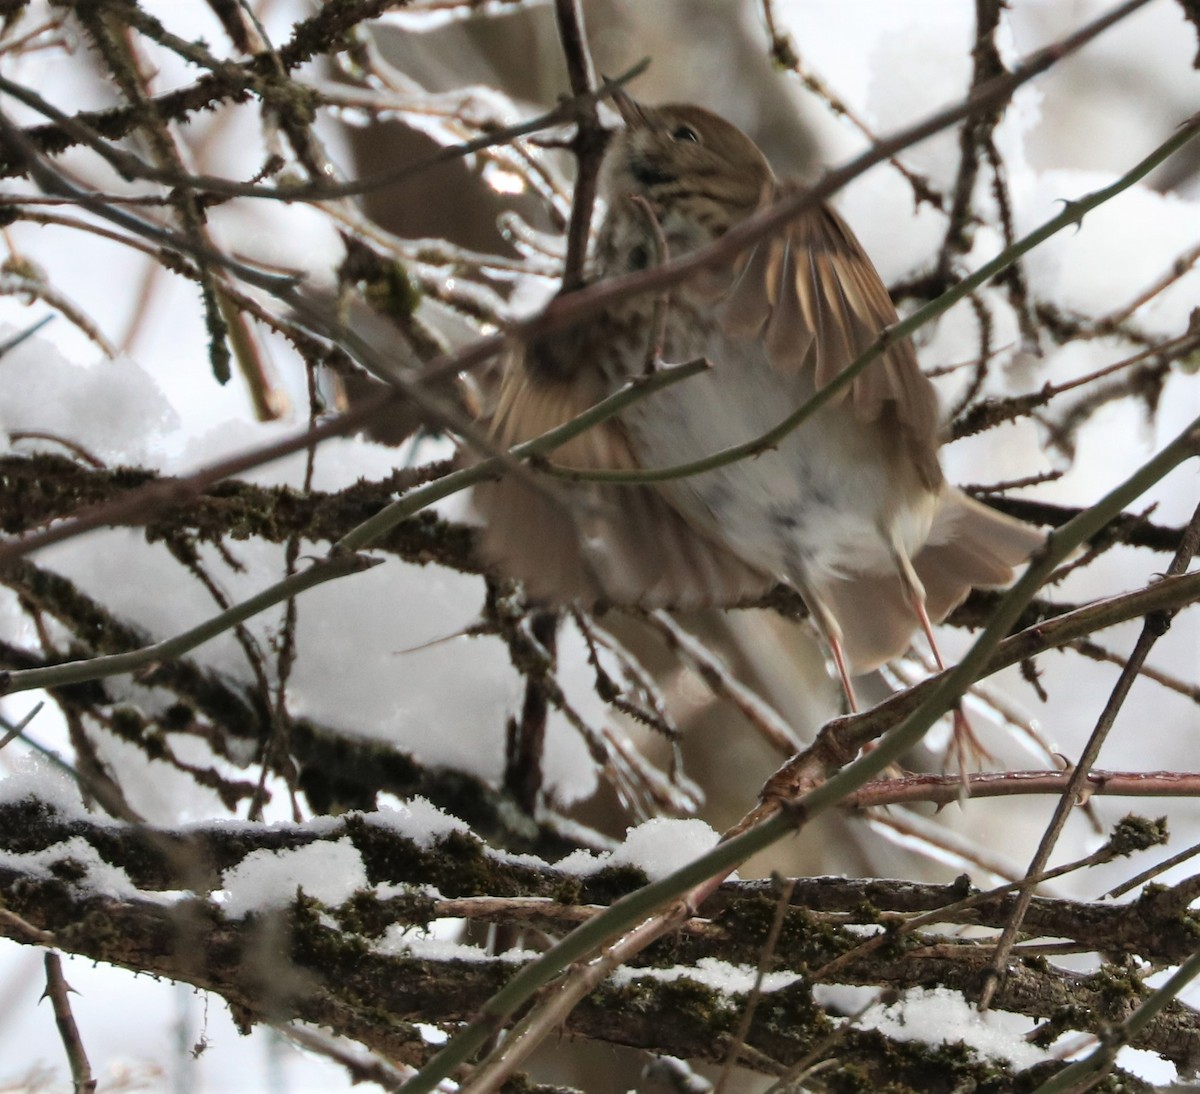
{"points": [[894, 62]]}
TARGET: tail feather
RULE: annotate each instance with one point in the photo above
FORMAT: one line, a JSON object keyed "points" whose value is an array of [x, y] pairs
{"points": [[970, 546]]}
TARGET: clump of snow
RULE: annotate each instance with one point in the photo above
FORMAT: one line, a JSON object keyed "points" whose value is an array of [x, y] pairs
{"points": [[663, 845], [938, 1016], [713, 973], [30, 775], [378, 657], [331, 872], [324, 825], [98, 876], [658, 847], [408, 942], [113, 408], [417, 819], [582, 863]]}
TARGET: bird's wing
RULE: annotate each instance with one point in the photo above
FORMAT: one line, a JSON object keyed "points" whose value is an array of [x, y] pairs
{"points": [[595, 543], [815, 299]]}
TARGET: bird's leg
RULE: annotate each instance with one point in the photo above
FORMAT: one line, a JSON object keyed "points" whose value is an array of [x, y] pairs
{"points": [[831, 631], [966, 744]]}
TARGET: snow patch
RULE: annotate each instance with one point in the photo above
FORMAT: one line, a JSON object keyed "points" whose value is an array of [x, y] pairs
{"points": [[330, 872]]}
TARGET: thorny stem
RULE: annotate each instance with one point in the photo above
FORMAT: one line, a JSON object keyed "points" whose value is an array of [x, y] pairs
{"points": [[57, 989], [947, 789]]}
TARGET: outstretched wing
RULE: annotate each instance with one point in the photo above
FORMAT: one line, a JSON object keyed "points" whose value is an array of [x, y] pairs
{"points": [[815, 299]]}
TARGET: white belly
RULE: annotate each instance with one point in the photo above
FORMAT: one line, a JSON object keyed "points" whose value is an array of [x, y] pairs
{"points": [[825, 503]]}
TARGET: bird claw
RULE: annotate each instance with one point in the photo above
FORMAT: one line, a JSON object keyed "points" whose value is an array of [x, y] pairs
{"points": [[965, 747]]}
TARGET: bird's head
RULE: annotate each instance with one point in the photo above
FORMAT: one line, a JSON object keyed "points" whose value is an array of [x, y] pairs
{"points": [[687, 163]]}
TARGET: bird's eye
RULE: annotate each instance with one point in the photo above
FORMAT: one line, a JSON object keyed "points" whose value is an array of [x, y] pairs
{"points": [[685, 133]]}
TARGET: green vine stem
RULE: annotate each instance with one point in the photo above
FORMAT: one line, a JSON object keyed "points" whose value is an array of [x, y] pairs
{"points": [[95, 668]]}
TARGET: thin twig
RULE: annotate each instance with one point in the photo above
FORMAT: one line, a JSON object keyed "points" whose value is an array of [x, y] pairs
{"points": [[131, 167], [590, 137], [19, 729], [724, 685], [361, 1065], [1152, 629], [1153, 872], [764, 966], [57, 989], [1097, 652], [785, 55]]}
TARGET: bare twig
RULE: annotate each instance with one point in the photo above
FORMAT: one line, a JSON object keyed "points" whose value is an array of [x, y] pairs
{"points": [[57, 989], [723, 684], [764, 966], [1152, 629], [590, 138], [131, 167], [360, 1065]]}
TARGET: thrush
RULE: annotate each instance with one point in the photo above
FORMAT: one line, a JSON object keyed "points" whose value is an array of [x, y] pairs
{"points": [[851, 509]]}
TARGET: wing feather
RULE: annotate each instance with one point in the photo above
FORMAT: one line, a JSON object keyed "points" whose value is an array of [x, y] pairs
{"points": [[592, 543], [746, 306], [822, 304], [790, 333]]}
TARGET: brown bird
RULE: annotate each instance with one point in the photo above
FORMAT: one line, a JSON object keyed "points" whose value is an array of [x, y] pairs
{"points": [[851, 509]]}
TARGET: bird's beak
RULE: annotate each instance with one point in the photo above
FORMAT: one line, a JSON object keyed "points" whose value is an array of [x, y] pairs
{"points": [[632, 114]]}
